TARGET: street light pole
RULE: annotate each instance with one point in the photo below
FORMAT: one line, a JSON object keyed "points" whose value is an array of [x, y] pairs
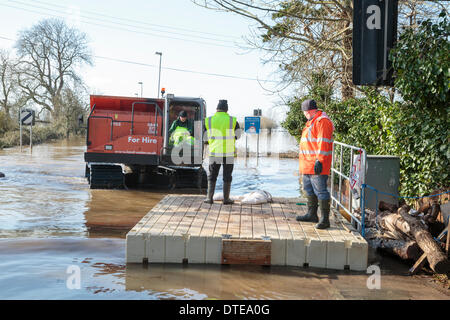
{"points": [[159, 77], [141, 87]]}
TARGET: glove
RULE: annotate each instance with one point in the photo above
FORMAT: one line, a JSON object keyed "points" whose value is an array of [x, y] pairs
{"points": [[317, 167]]}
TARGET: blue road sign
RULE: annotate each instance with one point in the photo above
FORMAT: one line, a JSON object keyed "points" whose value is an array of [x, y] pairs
{"points": [[252, 124]]}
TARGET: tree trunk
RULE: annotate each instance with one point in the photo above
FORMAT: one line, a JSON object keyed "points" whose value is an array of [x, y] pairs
{"points": [[347, 64], [382, 206], [435, 209], [436, 258], [407, 250], [395, 223]]}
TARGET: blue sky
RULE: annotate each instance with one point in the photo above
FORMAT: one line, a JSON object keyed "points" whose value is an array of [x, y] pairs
{"points": [[153, 26]]}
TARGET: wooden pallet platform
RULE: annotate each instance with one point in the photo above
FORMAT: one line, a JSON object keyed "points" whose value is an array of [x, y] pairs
{"points": [[183, 229]]}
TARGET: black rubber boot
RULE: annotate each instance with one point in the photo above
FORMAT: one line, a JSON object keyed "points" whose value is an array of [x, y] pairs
{"points": [[226, 193], [210, 194], [311, 216], [324, 222]]}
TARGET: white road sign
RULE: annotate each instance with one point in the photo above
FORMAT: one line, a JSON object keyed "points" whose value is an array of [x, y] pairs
{"points": [[27, 117]]}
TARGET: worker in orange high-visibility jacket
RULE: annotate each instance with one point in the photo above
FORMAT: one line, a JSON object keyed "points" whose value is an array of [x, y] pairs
{"points": [[316, 147]]}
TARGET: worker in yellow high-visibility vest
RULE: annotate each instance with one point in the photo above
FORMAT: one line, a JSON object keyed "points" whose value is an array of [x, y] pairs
{"points": [[222, 130], [181, 135]]}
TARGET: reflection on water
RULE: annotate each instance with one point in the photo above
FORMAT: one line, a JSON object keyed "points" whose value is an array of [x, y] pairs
{"points": [[277, 176], [51, 220], [270, 141], [43, 194], [49, 217], [38, 269], [115, 212]]}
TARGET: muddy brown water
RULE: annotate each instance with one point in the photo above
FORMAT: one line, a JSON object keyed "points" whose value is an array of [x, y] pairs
{"points": [[51, 223]]}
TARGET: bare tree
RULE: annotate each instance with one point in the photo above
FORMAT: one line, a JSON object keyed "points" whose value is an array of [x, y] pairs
{"points": [[74, 105], [50, 52], [7, 82], [306, 37]]}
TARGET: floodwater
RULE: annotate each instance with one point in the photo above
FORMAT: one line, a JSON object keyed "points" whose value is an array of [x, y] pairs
{"points": [[54, 228]]}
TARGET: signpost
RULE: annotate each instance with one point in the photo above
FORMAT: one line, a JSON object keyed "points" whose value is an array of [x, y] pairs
{"points": [[26, 117], [374, 34], [252, 126]]}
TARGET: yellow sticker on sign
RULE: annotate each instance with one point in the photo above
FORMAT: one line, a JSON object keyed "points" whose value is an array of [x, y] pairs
{"points": [[116, 116]]}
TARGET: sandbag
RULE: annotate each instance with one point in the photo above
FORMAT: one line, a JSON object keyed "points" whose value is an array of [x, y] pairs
{"points": [[255, 197], [219, 197]]}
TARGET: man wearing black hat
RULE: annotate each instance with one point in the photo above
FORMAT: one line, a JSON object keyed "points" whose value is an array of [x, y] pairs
{"points": [[316, 146], [181, 121], [221, 130]]}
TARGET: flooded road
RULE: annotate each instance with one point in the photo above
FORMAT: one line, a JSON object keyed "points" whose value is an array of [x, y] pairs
{"points": [[51, 223], [45, 194]]}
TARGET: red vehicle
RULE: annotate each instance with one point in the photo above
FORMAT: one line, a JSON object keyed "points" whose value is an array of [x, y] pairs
{"points": [[128, 143]]}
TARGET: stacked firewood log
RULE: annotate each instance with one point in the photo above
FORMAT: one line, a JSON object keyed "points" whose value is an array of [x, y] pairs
{"points": [[407, 233]]}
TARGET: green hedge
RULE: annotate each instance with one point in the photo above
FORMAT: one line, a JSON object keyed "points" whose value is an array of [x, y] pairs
{"points": [[416, 129], [418, 137]]}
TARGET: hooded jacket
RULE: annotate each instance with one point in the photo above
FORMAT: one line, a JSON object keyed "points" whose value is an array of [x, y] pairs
{"points": [[316, 144]]}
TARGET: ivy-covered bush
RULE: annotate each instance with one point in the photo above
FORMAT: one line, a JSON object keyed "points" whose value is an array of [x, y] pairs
{"points": [[416, 129], [419, 129], [421, 60]]}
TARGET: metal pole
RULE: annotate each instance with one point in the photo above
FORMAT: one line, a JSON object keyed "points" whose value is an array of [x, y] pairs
{"points": [[350, 193], [31, 138], [246, 154], [246, 147], [20, 124], [257, 150], [363, 195], [141, 87], [257, 146], [332, 175], [159, 77]]}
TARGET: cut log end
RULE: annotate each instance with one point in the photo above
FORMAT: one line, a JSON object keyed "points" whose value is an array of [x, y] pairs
{"points": [[387, 206]]}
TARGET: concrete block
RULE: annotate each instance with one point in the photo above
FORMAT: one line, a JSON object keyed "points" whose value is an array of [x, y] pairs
{"points": [[358, 255], [174, 249], [135, 251], [137, 227], [196, 250], [156, 249], [213, 251], [316, 253], [336, 255], [278, 252], [295, 252]]}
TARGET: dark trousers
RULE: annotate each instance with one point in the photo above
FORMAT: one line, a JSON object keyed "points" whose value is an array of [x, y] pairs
{"points": [[316, 185], [214, 167]]}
